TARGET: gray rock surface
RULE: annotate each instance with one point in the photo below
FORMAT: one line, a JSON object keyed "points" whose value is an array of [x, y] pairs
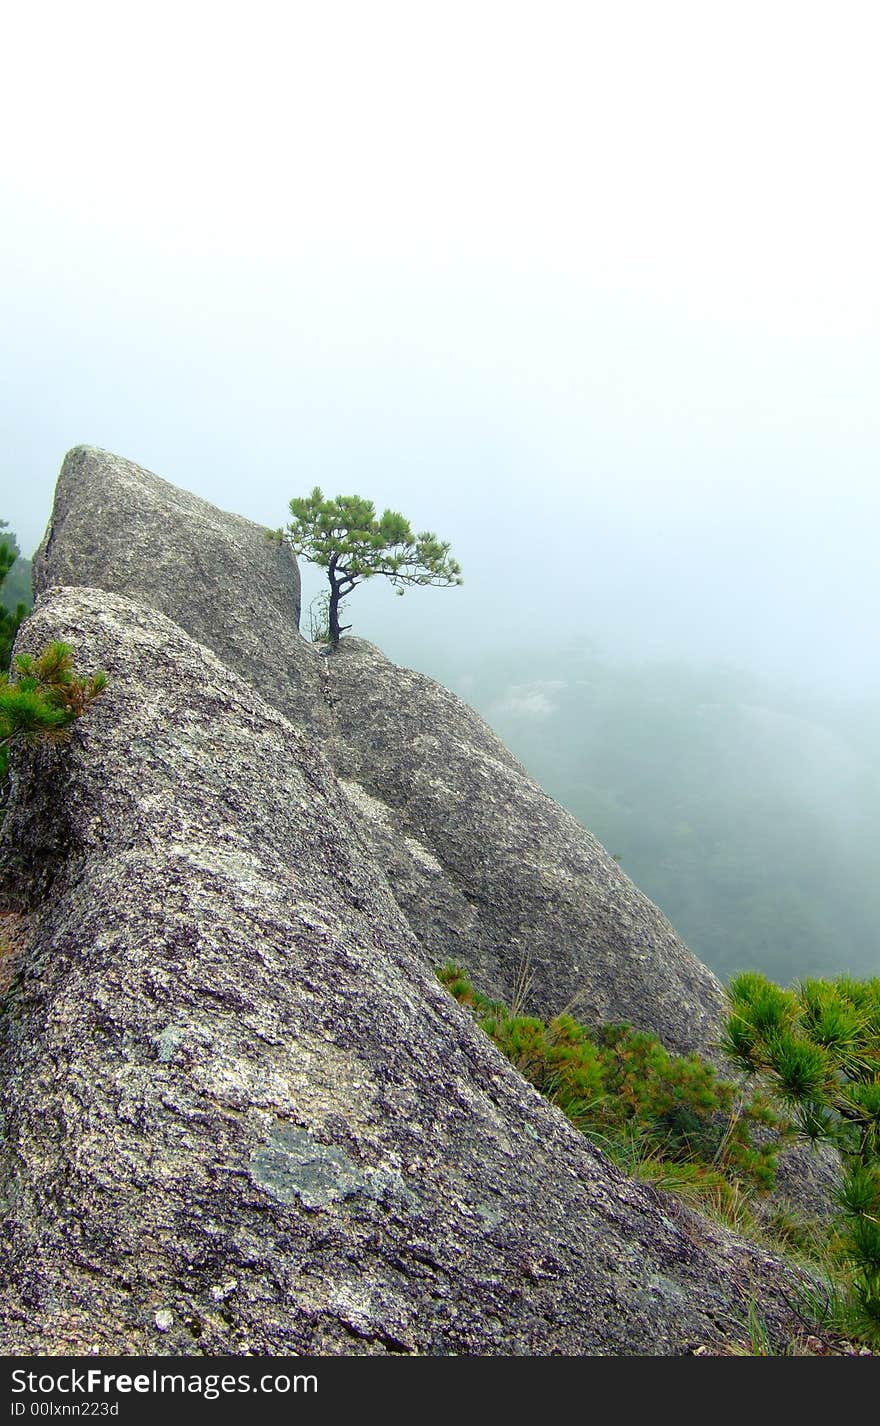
{"points": [[116, 526], [488, 869], [240, 1114], [492, 872]]}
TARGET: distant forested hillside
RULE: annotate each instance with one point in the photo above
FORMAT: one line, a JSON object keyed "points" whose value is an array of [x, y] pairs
{"points": [[751, 815], [16, 588]]}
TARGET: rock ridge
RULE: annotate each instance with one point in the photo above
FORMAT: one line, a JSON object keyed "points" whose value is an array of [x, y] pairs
{"points": [[240, 1114], [487, 868]]}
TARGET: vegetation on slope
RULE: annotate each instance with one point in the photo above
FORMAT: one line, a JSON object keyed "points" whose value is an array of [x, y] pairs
{"points": [[653, 1112], [817, 1047], [812, 1062]]}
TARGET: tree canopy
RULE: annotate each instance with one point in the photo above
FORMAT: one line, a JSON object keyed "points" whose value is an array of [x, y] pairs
{"points": [[345, 537]]}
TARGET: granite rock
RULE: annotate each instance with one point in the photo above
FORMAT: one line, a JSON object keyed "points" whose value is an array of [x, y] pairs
{"points": [[240, 1113], [488, 869]]}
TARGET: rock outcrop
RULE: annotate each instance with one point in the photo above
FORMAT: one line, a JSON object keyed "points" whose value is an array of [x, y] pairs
{"points": [[240, 1113], [115, 526], [492, 872], [488, 870]]}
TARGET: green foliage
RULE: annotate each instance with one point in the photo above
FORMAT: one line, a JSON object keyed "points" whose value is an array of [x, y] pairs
{"points": [[760, 1343], [8, 553], [818, 1047], [10, 619], [673, 1121], [41, 698], [826, 1307], [346, 538], [669, 1116], [17, 589]]}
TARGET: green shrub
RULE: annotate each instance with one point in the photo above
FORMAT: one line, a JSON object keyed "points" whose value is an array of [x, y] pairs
{"points": [[650, 1109], [40, 700], [817, 1047]]}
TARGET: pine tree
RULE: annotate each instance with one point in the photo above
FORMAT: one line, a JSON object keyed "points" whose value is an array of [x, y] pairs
{"points": [[818, 1047], [345, 537]]}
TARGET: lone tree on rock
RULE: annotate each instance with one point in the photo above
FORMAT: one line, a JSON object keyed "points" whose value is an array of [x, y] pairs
{"points": [[344, 537]]}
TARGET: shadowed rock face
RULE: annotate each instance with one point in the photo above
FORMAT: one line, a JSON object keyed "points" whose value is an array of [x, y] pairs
{"points": [[240, 1113], [488, 870]]}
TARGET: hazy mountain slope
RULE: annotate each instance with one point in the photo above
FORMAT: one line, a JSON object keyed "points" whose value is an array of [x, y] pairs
{"points": [[751, 814]]}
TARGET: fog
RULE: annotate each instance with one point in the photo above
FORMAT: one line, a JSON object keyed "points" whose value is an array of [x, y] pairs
{"points": [[590, 291]]}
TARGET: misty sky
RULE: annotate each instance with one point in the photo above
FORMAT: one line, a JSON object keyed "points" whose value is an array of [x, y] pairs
{"points": [[590, 290]]}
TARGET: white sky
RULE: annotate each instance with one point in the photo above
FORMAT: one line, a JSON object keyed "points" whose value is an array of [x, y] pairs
{"points": [[592, 290]]}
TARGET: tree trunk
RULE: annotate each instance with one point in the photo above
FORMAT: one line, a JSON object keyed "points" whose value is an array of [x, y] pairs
{"points": [[333, 611], [340, 586]]}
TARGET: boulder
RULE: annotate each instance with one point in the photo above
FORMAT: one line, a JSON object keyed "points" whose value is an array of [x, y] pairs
{"points": [[220, 577], [488, 870], [240, 1113], [492, 873]]}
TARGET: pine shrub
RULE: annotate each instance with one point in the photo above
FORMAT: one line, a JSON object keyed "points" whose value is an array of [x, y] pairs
{"points": [[817, 1047], [648, 1108], [40, 699]]}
